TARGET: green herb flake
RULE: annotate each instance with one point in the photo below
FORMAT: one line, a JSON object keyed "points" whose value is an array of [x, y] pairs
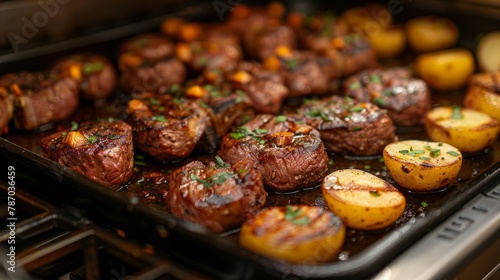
{"points": [[404, 152], [367, 167], [220, 162], [159, 118], [154, 101], [92, 67], [64, 134], [291, 214], [241, 171], [375, 79], [330, 162], [292, 64], [354, 85], [387, 92], [435, 152], [113, 136], [139, 163], [424, 204], [453, 153], [92, 139], [202, 61], [419, 152], [424, 158], [280, 119], [260, 131], [374, 193], [356, 128], [440, 144], [175, 88], [379, 101], [356, 109], [74, 126], [456, 114]]}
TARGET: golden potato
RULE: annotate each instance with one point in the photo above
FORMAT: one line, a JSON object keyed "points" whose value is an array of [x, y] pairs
{"points": [[389, 42], [445, 70], [483, 94], [466, 129], [431, 33], [421, 165], [488, 56], [297, 234], [362, 200]]}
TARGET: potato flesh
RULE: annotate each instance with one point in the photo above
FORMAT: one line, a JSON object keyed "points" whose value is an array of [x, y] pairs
{"points": [[473, 132], [362, 200], [431, 34], [488, 56], [484, 100], [271, 234], [422, 172]]}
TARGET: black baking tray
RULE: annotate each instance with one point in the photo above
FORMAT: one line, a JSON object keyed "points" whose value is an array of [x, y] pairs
{"points": [[220, 256]]}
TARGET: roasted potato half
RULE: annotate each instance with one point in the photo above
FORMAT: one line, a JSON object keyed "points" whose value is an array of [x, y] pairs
{"points": [[297, 234], [362, 200], [431, 33], [466, 129], [488, 56], [389, 42], [445, 70], [483, 94], [421, 165]]}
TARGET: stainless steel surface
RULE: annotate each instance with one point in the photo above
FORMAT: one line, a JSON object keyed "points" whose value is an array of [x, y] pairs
{"points": [[450, 249]]}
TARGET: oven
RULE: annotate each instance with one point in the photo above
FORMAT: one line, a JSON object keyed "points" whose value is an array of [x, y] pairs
{"points": [[62, 225]]}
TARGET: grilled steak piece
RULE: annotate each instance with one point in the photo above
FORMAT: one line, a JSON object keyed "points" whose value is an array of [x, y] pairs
{"points": [[350, 54], [147, 63], [218, 196], [40, 98], [317, 32], [348, 126], [290, 156], [102, 151], [260, 43], [406, 99], [95, 75], [226, 110], [265, 88], [6, 110], [166, 127]]}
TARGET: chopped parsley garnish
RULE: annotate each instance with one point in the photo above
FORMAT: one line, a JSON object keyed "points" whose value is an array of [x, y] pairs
{"points": [[379, 101], [64, 134], [356, 109], [260, 131], [318, 113], [159, 118], [374, 193], [202, 61], [92, 139], [356, 128], [375, 79], [175, 88], [424, 158], [154, 101], [177, 100], [113, 136], [220, 162], [355, 85], [293, 216], [367, 167], [280, 119], [435, 152], [387, 92], [92, 67], [217, 179], [453, 153], [330, 162], [292, 64], [456, 114], [424, 204], [74, 126]]}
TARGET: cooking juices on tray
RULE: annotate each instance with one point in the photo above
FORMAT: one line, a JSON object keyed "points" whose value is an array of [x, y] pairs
{"points": [[263, 95]]}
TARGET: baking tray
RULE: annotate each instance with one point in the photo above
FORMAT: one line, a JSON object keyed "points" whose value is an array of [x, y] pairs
{"points": [[219, 256]]}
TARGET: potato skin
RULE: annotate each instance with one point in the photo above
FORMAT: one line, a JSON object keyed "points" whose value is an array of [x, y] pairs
{"points": [[362, 200], [389, 42], [270, 233], [474, 132], [483, 94], [426, 171], [445, 70], [431, 34]]}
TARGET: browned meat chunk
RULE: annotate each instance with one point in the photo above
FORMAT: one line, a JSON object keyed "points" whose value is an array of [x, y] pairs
{"points": [[166, 127], [218, 196], [266, 89], [406, 99], [261, 42], [316, 32], [95, 75], [102, 151], [290, 156], [348, 126], [147, 63], [40, 98], [6, 110]]}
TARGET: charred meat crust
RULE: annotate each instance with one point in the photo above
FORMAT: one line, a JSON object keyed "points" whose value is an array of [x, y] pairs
{"points": [[289, 156], [40, 98], [102, 151], [96, 76], [406, 99], [348, 126], [218, 196], [166, 127]]}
